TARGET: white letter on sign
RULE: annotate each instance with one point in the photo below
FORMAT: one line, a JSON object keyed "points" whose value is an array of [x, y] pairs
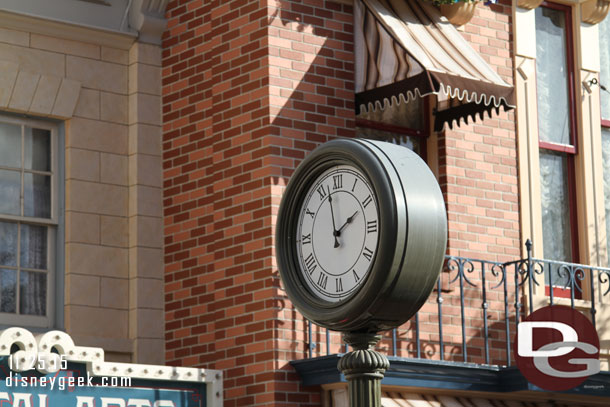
{"points": [[526, 338], [82, 401], [138, 403], [112, 402], [26, 398]]}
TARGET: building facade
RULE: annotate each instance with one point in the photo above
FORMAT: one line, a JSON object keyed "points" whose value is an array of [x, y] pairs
{"points": [[250, 88], [145, 147], [81, 173]]}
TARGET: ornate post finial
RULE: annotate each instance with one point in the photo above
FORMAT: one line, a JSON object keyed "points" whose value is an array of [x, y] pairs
{"points": [[363, 368]]}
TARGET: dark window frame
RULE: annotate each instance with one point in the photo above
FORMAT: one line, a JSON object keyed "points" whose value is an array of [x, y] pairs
{"points": [[422, 135]]}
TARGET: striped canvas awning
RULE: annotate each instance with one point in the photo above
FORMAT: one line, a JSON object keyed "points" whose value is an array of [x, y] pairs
{"points": [[406, 49]]}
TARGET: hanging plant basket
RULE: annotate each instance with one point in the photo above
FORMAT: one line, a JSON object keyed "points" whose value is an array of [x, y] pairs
{"points": [[458, 13], [439, 2], [594, 11], [529, 4]]}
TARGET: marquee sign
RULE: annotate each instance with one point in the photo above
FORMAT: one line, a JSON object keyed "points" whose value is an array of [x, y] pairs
{"points": [[49, 370]]}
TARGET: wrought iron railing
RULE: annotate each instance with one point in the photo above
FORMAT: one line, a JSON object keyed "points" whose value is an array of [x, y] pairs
{"points": [[484, 301]]}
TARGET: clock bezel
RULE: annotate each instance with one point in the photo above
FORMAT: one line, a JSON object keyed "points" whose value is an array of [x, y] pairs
{"points": [[354, 311]]}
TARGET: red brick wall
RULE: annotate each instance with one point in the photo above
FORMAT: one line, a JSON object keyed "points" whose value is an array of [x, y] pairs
{"points": [[311, 73], [248, 90], [478, 172], [479, 160]]}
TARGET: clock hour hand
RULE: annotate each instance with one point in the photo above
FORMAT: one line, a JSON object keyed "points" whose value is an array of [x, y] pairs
{"points": [[347, 222], [332, 214]]}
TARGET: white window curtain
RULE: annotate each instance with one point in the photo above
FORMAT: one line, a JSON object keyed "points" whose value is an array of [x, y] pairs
{"points": [[554, 127], [552, 76]]}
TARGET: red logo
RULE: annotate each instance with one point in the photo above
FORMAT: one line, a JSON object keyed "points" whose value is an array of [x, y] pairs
{"points": [[556, 348]]}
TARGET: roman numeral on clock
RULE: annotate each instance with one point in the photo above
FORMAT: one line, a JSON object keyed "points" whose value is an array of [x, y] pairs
{"points": [[338, 285], [356, 278], [367, 253], [322, 192], [306, 239], [371, 226], [337, 181], [310, 213], [367, 201], [310, 263], [322, 280]]}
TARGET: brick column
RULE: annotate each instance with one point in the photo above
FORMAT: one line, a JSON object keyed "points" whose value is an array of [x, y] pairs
{"points": [[248, 89]]}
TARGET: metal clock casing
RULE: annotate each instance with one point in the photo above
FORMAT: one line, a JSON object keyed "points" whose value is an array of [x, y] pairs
{"points": [[410, 236]]}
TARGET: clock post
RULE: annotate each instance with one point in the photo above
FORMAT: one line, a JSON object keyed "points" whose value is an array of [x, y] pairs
{"points": [[363, 368], [360, 242]]}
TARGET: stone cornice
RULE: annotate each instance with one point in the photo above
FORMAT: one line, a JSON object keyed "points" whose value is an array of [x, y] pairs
{"points": [[67, 30], [148, 18]]}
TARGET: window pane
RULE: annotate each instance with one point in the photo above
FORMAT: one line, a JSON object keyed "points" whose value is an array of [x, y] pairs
{"points": [[10, 191], [10, 145], [8, 244], [33, 247], [552, 76], [409, 115], [604, 76], [37, 195], [32, 293], [8, 290], [413, 143], [37, 149], [556, 228], [606, 163]]}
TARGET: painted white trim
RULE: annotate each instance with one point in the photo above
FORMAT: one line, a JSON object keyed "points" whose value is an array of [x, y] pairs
{"points": [[38, 347]]}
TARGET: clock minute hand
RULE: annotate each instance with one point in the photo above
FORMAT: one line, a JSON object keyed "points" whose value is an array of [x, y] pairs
{"points": [[348, 221], [332, 214]]}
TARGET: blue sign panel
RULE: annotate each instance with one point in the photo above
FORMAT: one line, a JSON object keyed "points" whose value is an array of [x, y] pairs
{"points": [[72, 386]]}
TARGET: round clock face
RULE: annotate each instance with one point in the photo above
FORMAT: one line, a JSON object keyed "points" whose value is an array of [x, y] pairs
{"points": [[337, 233]]}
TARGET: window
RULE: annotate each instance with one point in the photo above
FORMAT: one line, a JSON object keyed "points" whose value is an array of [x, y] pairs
{"points": [[401, 124], [604, 79], [557, 133], [28, 222]]}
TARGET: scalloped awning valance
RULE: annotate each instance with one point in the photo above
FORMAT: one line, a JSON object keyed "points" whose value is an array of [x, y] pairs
{"points": [[405, 49]]}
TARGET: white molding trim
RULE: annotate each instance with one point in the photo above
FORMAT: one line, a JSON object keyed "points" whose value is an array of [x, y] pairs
{"points": [[67, 30], [38, 347]]}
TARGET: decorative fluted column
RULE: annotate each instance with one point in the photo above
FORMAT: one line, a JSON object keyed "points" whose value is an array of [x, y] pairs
{"points": [[363, 368]]}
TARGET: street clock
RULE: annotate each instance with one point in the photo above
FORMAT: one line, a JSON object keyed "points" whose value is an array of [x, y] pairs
{"points": [[361, 235]]}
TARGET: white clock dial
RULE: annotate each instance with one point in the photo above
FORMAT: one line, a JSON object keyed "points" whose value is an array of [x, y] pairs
{"points": [[337, 233]]}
